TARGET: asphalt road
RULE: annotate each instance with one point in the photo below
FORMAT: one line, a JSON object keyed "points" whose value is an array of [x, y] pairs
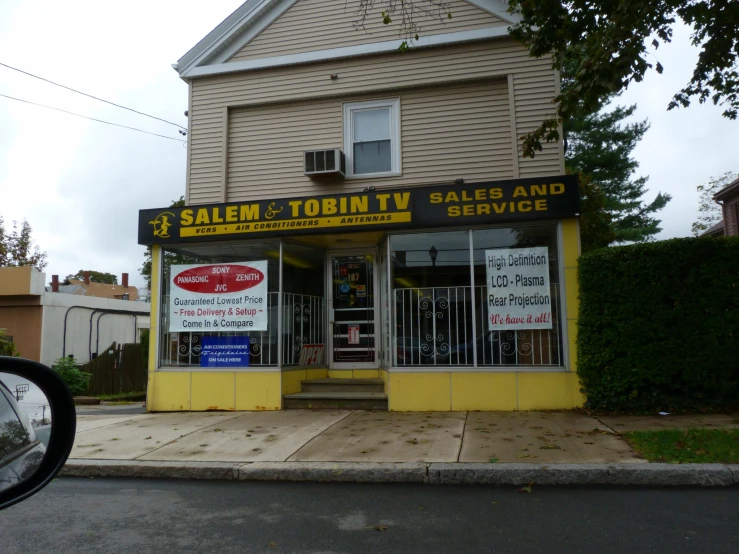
{"points": [[137, 516]]}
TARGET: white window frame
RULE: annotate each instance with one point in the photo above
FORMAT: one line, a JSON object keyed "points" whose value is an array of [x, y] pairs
{"points": [[395, 153]]}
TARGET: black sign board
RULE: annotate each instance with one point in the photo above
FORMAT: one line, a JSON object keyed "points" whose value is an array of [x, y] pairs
{"points": [[493, 202]]}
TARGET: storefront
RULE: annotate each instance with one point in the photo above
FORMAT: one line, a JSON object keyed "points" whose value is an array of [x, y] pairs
{"points": [[459, 297]]}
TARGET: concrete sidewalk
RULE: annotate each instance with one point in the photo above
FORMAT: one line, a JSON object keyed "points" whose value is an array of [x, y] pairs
{"points": [[481, 447]]}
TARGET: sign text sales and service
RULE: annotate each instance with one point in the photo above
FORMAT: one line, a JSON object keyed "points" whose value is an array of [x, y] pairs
{"points": [[519, 296], [218, 297]]}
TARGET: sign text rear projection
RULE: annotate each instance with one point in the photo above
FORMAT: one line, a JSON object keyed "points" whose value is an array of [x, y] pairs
{"points": [[218, 297], [519, 296]]}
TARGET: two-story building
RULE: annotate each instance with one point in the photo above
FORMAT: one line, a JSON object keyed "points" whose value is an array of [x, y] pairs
{"points": [[361, 227]]}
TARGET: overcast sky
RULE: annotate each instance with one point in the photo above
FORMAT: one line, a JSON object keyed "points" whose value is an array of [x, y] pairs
{"points": [[80, 183]]}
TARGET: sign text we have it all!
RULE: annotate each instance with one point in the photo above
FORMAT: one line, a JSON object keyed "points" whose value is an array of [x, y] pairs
{"points": [[519, 296]]}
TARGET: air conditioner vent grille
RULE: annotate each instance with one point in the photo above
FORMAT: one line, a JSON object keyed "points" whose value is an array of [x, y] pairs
{"points": [[329, 162]]}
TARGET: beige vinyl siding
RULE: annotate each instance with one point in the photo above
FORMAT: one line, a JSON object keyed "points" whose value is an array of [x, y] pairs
{"points": [[382, 76], [447, 133], [529, 90], [311, 25]]}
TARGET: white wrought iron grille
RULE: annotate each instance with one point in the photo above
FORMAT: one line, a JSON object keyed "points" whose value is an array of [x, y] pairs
{"points": [[303, 322], [433, 327], [183, 349]]}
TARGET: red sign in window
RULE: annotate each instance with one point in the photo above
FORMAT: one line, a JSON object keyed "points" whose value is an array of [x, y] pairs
{"points": [[223, 278], [353, 334]]}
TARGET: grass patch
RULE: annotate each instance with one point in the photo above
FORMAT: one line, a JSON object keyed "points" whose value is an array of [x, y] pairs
{"points": [[121, 403], [122, 396], [687, 446]]}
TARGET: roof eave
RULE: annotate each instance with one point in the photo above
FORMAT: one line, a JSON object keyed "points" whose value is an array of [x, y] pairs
{"points": [[249, 19], [728, 190]]}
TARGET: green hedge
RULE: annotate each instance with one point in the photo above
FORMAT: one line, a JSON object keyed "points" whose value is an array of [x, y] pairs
{"points": [[659, 325]]}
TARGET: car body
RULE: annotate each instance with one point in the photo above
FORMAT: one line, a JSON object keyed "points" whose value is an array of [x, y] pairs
{"points": [[21, 451]]}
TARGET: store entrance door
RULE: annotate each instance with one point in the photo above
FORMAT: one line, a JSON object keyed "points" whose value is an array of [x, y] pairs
{"points": [[352, 310]]}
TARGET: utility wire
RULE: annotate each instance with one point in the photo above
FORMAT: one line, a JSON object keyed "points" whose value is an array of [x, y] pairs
{"points": [[91, 96], [91, 118]]}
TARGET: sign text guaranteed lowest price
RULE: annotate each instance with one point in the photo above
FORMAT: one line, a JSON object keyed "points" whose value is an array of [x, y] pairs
{"points": [[218, 297]]}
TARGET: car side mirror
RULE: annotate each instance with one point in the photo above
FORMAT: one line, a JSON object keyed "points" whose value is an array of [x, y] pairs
{"points": [[32, 449]]}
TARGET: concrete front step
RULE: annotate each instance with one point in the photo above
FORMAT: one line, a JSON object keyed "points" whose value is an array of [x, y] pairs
{"points": [[350, 400], [343, 385]]}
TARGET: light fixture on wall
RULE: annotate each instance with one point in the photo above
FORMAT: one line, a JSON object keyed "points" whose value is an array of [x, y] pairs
{"points": [[433, 252]]}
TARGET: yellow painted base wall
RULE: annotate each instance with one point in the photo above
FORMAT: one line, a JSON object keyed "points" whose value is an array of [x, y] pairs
{"points": [[441, 392], [199, 391], [480, 391]]}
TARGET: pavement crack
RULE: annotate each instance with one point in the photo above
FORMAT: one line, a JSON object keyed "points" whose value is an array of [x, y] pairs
{"points": [[464, 428], [334, 424], [599, 420]]}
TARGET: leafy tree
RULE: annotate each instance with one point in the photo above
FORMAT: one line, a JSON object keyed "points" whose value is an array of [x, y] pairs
{"points": [[612, 38], [614, 41], [77, 381], [599, 146], [598, 141], [95, 277], [408, 13], [7, 347], [13, 437], [17, 248], [596, 229], [170, 258], [709, 212]]}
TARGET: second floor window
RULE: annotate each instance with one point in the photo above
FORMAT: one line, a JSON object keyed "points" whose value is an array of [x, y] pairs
{"points": [[372, 138]]}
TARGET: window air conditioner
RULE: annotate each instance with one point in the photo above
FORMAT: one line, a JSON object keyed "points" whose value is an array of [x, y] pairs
{"points": [[324, 163]]}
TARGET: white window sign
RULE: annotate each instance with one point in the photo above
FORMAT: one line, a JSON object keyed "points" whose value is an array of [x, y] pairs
{"points": [[218, 297], [519, 296]]}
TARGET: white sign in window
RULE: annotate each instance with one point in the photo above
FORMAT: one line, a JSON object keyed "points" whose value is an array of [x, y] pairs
{"points": [[218, 297], [372, 138], [519, 296]]}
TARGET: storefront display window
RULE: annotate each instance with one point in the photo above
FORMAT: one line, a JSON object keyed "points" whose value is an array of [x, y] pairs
{"points": [[507, 343], [232, 325], [431, 298], [448, 312], [486, 298], [304, 305]]}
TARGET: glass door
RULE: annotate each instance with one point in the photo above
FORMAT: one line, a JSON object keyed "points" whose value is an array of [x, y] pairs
{"points": [[352, 311]]}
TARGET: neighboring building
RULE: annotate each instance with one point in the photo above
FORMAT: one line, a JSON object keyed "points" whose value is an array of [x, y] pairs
{"points": [[48, 325], [728, 199], [354, 212], [715, 230], [86, 287]]}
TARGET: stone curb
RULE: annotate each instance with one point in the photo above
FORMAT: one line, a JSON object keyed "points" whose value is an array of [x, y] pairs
{"points": [[150, 470], [517, 474], [644, 475], [651, 475], [337, 472]]}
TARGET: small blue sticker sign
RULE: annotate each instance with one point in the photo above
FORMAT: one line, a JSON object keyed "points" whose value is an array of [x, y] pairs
{"points": [[345, 288], [224, 352]]}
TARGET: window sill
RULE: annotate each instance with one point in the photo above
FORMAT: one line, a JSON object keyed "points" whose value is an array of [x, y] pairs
{"points": [[197, 369], [373, 175]]}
